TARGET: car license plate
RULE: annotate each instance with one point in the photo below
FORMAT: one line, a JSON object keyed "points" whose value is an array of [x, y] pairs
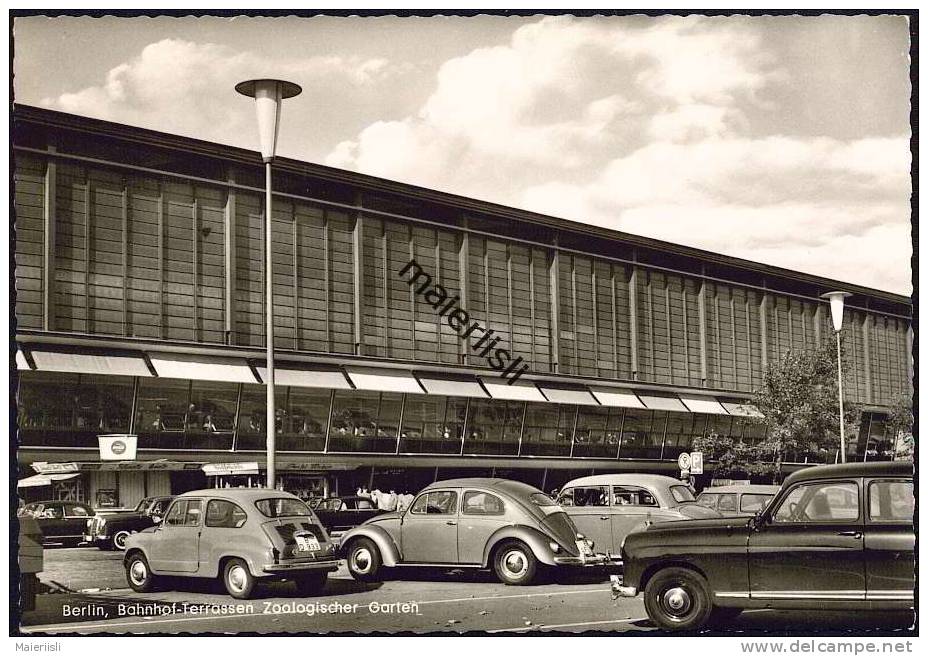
{"points": [[584, 548], [307, 543]]}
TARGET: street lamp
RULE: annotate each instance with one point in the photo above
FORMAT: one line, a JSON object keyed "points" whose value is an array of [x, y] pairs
{"points": [[268, 95], [837, 319]]}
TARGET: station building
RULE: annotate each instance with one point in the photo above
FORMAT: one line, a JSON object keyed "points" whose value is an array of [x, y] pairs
{"points": [[140, 310]]}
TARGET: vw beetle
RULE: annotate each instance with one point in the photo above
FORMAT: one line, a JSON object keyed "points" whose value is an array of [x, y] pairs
{"points": [[508, 526]]}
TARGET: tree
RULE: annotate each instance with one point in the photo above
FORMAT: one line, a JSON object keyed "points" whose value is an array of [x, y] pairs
{"points": [[729, 454], [899, 426], [799, 401]]}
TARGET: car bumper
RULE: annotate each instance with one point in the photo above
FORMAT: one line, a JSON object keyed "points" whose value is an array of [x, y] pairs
{"points": [[318, 565], [583, 561], [619, 590]]}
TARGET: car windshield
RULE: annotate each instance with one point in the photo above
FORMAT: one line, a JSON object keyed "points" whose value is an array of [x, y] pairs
{"points": [[282, 507], [143, 505], [542, 499], [682, 494]]}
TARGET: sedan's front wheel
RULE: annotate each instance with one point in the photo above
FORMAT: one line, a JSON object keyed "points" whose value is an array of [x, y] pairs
{"points": [[238, 579], [677, 599], [119, 539], [515, 564]]}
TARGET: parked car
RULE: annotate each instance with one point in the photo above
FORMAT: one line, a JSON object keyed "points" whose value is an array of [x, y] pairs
{"points": [[607, 507], [508, 526], [338, 514], [30, 559], [835, 537], [242, 535], [60, 521], [737, 500], [108, 530]]}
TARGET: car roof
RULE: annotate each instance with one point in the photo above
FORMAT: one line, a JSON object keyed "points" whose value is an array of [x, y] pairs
{"points": [[502, 484], [238, 493], [852, 469], [758, 489], [656, 480]]}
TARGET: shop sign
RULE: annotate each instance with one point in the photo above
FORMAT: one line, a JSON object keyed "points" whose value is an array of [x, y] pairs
{"points": [[315, 466], [230, 468], [55, 467]]}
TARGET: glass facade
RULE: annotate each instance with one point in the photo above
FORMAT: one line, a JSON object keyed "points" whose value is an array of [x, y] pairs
{"points": [[70, 410]]}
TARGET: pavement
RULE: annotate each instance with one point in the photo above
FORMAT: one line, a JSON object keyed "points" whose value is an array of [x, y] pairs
{"points": [[93, 598]]}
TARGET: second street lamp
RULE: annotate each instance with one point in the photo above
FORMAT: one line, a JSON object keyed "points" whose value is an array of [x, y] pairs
{"points": [[836, 300], [268, 95]]}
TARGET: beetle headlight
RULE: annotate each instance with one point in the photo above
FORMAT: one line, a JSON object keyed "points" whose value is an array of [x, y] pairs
{"points": [[555, 547]]}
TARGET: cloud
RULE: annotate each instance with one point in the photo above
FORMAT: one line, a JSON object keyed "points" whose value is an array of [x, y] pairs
{"points": [[654, 128], [188, 88]]}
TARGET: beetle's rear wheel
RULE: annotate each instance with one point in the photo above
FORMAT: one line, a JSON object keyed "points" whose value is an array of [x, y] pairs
{"points": [[515, 564]]}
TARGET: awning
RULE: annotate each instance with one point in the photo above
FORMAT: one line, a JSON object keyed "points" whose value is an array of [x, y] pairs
{"points": [[41, 480], [515, 392], [616, 398], [87, 363], [230, 468], [704, 404], [21, 362], [742, 409], [451, 385], [384, 380], [579, 395], [193, 367], [56, 468], [669, 403], [300, 375]]}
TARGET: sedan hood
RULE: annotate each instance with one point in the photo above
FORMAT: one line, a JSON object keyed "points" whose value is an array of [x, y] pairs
{"points": [[695, 511]]}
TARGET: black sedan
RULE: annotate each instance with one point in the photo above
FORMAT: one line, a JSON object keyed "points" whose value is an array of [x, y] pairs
{"points": [[60, 521]]}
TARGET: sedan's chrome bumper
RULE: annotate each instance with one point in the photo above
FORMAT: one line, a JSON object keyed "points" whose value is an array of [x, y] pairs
{"points": [[619, 590], [282, 568]]}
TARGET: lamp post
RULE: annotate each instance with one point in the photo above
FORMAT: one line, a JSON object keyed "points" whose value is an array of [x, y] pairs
{"points": [[836, 299], [268, 95]]}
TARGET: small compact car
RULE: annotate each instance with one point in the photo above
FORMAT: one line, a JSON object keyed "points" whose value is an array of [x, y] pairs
{"points": [[607, 507], [835, 537], [508, 526], [737, 500], [339, 514], [60, 521], [108, 530], [242, 535]]}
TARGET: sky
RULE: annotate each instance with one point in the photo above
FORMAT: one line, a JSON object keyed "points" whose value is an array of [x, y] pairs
{"points": [[782, 140]]}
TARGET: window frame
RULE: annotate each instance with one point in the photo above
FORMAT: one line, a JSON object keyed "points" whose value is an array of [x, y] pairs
{"points": [[819, 483], [502, 504], [427, 513], [768, 497], [637, 489], [209, 502], [868, 483]]}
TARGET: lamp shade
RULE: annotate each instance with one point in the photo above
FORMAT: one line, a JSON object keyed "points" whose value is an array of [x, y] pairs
{"points": [[268, 94], [837, 307]]}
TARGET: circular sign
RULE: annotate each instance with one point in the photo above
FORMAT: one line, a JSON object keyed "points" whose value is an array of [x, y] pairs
{"points": [[684, 461], [118, 447]]}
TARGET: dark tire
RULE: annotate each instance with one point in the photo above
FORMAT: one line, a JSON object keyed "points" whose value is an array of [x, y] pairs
{"points": [[364, 560], [119, 539], [138, 574], [311, 583], [677, 599], [720, 618], [514, 563], [238, 579]]}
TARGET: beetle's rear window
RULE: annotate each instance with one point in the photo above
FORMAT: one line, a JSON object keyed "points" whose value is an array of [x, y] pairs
{"points": [[282, 507]]}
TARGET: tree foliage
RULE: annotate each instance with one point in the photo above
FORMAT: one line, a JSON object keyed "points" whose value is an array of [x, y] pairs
{"points": [[899, 426], [799, 401]]}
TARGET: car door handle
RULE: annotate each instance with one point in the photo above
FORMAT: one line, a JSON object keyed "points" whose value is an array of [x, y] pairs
{"points": [[850, 534], [450, 523], [604, 517]]}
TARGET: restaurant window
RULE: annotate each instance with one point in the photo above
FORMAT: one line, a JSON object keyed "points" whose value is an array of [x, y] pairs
{"points": [[251, 434], [365, 422], [642, 434], [494, 427], [76, 407], [879, 444], [183, 414], [597, 432], [753, 431], [433, 424], [548, 429], [720, 425], [303, 419], [682, 429]]}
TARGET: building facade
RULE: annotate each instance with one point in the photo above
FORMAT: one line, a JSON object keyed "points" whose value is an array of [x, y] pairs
{"points": [[418, 335]]}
